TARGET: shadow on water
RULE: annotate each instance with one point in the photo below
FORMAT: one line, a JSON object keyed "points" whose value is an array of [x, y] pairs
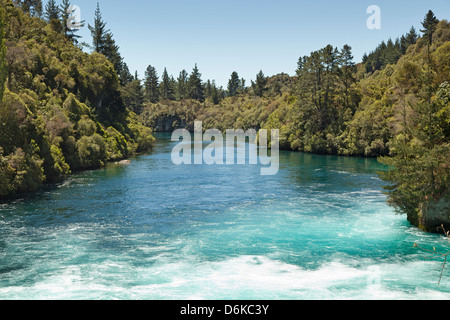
{"points": [[110, 170]]}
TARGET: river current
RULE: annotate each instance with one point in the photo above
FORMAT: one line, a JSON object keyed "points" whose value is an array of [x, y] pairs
{"points": [[319, 229]]}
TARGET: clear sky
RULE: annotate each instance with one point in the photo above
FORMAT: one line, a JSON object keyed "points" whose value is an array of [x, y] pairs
{"points": [[247, 35]]}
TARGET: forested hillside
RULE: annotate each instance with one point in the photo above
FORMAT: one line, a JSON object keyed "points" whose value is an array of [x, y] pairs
{"points": [[394, 105], [61, 109]]}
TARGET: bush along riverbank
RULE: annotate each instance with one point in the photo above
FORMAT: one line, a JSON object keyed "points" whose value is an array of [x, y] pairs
{"points": [[62, 110]]}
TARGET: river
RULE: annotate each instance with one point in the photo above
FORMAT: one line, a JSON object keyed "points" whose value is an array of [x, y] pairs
{"points": [[319, 229]]}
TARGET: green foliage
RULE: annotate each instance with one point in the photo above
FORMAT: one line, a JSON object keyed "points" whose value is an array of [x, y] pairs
{"points": [[429, 26], [51, 11], [395, 105], [167, 87], [26, 166], [116, 145], [32, 7], [3, 65], [260, 85], [151, 85], [389, 52], [420, 150], [233, 84], [195, 87], [62, 109], [86, 127], [98, 31], [75, 108], [182, 86], [133, 96], [91, 151], [6, 176]]}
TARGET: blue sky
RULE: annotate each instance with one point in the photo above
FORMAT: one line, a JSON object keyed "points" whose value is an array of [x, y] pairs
{"points": [[247, 35]]}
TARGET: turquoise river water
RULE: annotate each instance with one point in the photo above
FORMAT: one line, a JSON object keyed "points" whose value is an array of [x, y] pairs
{"points": [[319, 229]]}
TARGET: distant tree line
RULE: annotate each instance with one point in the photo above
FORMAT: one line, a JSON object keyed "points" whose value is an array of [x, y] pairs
{"points": [[389, 52]]}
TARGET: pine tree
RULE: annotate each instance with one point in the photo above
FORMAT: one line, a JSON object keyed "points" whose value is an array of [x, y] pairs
{"points": [[318, 109], [411, 37], [166, 88], [242, 86], [429, 26], [111, 51], [98, 31], [151, 84], [173, 88], [208, 89], [125, 75], [260, 86], [215, 96], [348, 69], [104, 43], [133, 96], [233, 84], [51, 11], [52, 16], [195, 86], [181, 89]]}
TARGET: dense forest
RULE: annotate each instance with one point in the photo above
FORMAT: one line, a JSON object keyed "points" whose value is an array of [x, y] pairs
{"points": [[64, 109], [61, 110]]}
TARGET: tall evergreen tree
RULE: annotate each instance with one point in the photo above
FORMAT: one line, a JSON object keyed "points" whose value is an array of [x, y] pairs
{"points": [[98, 31], [260, 86], [151, 84], [133, 96], [208, 89], [166, 88], [52, 15], [348, 69], [411, 37], [429, 26], [125, 75], [173, 87], [319, 89], [233, 84], [215, 95], [242, 86], [111, 50], [104, 43], [181, 89], [195, 86], [51, 11]]}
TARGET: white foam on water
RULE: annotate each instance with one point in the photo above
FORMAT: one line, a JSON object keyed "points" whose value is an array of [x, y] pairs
{"points": [[243, 277]]}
